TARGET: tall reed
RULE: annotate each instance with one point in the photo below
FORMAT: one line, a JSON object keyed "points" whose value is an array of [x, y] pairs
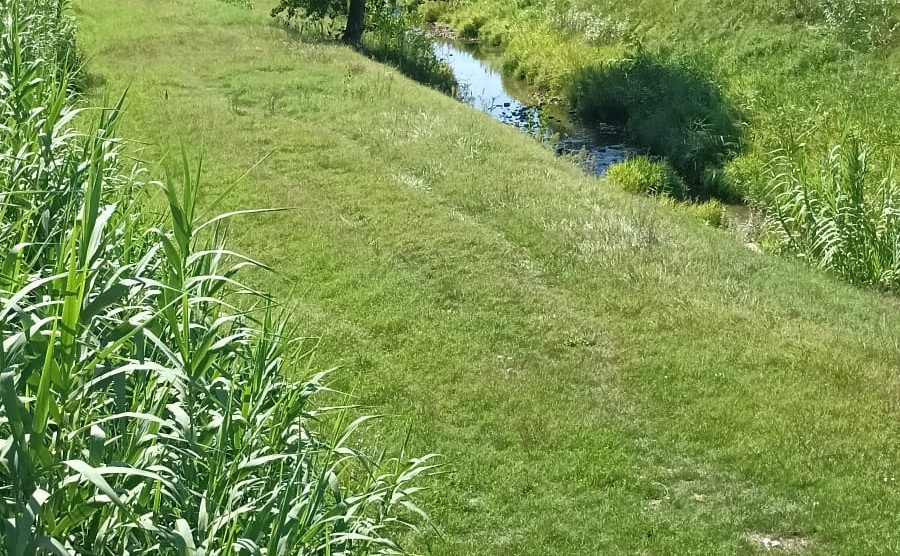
{"points": [[843, 217], [143, 403]]}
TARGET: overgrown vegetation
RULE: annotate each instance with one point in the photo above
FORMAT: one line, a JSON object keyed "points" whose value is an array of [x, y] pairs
{"points": [[143, 403], [843, 216], [393, 40], [716, 87], [671, 111]]}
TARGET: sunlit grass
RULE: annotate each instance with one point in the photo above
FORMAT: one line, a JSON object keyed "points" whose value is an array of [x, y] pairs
{"points": [[842, 215]]}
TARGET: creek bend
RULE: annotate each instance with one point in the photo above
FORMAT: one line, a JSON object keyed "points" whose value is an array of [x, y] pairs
{"points": [[483, 86]]}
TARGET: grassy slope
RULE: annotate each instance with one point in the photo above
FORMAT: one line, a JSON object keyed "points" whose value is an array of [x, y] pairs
{"points": [[600, 374]]}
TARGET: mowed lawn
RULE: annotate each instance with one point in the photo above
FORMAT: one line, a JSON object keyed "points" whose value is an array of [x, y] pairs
{"points": [[600, 375]]}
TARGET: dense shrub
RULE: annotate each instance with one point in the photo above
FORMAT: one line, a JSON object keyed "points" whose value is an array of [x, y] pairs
{"points": [[644, 176], [141, 411]]}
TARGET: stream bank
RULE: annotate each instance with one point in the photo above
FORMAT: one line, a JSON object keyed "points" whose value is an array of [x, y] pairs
{"points": [[482, 85]]}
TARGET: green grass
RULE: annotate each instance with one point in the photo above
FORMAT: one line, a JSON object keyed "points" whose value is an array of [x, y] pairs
{"points": [[644, 176], [601, 374], [844, 219], [723, 91]]}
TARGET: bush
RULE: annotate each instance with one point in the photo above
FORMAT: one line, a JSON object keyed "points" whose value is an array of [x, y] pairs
{"points": [[673, 111], [141, 411], [845, 217], [432, 11], [644, 176]]}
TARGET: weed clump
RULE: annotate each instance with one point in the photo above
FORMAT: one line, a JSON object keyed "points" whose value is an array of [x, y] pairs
{"points": [[644, 176], [843, 216]]}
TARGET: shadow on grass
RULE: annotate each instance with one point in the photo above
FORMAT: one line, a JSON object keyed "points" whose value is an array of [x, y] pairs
{"points": [[389, 39], [411, 53], [673, 111]]}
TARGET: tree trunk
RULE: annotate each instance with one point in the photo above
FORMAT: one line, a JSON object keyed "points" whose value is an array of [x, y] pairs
{"points": [[356, 22]]}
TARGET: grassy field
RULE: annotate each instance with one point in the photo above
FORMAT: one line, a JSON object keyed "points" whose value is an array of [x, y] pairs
{"points": [[601, 375]]}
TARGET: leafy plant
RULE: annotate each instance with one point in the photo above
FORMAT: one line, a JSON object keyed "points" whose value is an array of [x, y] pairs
{"points": [[144, 407], [844, 218]]}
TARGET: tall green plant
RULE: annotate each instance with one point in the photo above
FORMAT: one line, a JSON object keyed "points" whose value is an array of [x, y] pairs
{"points": [[143, 404], [845, 217]]}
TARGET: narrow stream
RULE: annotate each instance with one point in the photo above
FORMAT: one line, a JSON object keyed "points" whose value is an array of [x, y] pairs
{"points": [[482, 86]]}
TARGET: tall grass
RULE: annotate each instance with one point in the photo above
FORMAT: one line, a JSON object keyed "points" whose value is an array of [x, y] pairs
{"points": [[143, 404], [844, 217]]}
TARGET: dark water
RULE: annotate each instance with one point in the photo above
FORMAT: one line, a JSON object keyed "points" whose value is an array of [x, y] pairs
{"points": [[482, 86]]}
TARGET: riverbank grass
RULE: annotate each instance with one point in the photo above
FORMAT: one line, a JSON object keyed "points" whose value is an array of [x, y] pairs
{"points": [[599, 373]]}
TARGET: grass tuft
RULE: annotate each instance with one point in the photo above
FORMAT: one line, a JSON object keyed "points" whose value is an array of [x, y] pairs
{"points": [[843, 216], [645, 176]]}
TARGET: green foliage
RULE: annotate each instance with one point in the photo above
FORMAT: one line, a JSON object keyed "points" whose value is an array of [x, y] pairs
{"points": [[142, 411], [589, 24], [746, 178], [432, 11], [645, 176], [471, 28], [863, 24], [392, 40], [674, 111], [715, 87], [52, 36], [711, 213], [316, 9], [843, 217]]}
